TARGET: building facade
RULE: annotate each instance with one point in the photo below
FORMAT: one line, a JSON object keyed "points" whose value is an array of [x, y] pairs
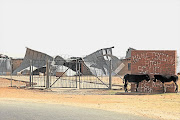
{"points": [[153, 62]]}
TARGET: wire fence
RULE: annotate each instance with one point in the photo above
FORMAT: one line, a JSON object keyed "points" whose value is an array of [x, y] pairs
{"points": [[60, 74]]}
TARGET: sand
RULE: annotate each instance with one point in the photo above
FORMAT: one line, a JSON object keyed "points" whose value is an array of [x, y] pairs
{"points": [[161, 106]]}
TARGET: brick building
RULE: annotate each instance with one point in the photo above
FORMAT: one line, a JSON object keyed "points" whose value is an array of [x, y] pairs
{"points": [[127, 67], [153, 62], [16, 62]]}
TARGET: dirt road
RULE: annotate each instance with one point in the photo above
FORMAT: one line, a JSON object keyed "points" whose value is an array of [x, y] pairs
{"points": [[160, 106], [13, 109]]}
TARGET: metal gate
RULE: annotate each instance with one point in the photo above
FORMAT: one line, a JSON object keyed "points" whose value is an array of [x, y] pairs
{"points": [[72, 74], [91, 81], [59, 74], [51, 75], [64, 75]]}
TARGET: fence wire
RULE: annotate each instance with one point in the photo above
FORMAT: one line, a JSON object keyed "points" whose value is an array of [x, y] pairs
{"points": [[70, 74]]}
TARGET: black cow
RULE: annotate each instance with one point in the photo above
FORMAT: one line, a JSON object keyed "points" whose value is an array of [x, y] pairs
{"points": [[135, 79], [164, 79]]}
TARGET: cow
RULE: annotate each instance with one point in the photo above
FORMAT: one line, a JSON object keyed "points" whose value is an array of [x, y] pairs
{"points": [[135, 79], [166, 79]]}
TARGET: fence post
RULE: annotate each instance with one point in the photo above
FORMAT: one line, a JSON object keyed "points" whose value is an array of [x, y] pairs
{"points": [[11, 70], [76, 74], [32, 72], [110, 75], [30, 76], [47, 74], [79, 74]]}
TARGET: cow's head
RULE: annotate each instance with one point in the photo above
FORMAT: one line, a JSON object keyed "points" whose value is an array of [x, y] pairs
{"points": [[147, 77], [155, 78], [174, 78]]}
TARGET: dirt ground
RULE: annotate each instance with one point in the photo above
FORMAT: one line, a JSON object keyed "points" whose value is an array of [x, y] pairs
{"points": [[160, 106]]}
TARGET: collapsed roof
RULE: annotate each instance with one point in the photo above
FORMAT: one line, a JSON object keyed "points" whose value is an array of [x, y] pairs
{"points": [[4, 56], [5, 66], [37, 57], [128, 52], [97, 62]]}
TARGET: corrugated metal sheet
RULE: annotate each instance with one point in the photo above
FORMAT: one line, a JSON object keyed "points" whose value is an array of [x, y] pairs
{"points": [[39, 60], [99, 62]]}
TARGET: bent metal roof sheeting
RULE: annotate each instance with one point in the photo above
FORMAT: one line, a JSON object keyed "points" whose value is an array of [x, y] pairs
{"points": [[99, 62], [39, 60]]}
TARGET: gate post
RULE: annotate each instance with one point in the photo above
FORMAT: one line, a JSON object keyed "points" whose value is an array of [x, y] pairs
{"points": [[79, 63], [47, 74], [11, 69], [110, 76], [76, 73], [30, 74]]}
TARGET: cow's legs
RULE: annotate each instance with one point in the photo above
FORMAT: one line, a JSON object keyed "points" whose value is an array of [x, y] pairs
{"points": [[164, 88], [125, 86], [137, 86], [176, 90]]}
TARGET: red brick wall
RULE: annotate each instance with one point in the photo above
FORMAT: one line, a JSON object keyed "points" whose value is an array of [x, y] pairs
{"points": [[16, 63], [153, 62], [153, 87]]}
